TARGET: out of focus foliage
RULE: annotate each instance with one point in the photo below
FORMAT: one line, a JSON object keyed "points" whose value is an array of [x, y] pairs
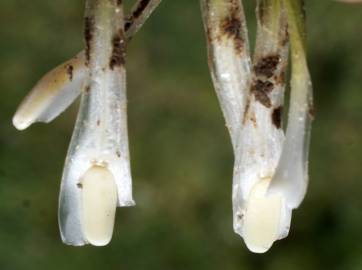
{"points": [[180, 149]]}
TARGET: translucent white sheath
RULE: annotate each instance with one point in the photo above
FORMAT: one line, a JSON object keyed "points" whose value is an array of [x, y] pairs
{"points": [[258, 218], [291, 177], [229, 58], [252, 101], [100, 137], [62, 85]]}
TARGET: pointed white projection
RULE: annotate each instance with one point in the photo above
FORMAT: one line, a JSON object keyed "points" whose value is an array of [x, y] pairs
{"points": [[52, 94], [252, 98]]}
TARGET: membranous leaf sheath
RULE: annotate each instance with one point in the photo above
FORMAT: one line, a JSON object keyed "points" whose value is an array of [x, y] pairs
{"points": [[251, 98], [100, 138], [291, 177], [258, 218], [229, 58]]}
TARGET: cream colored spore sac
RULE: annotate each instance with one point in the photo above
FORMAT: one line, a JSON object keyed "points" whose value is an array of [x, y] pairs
{"points": [[266, 218], [99, 202]]}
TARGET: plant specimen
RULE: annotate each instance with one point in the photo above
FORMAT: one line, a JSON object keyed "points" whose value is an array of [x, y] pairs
{"points": [[97, 174], [271, 163], [270, 169]]}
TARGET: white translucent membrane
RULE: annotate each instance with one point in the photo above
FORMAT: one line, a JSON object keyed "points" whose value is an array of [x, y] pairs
{"points": [[261, 219], [52, 94], [291, 176], [58, 89], [100, 136], [229, 65]]}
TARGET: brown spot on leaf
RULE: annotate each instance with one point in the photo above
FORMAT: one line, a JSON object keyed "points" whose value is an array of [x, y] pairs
{"points": [[263, 99], [70, 70], [267, 66], [127, 24], [232, 27], [118, 154], [253, 119], [247, 106], [263, 86], [98, 123], [87, 89], [79, 185], [280, 80], [88, 35], [119, 50], [261, 89], [277, 117]]}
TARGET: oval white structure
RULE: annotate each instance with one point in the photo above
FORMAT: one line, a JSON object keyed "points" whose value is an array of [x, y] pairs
{"points": [[99, 202], [266, 218]]}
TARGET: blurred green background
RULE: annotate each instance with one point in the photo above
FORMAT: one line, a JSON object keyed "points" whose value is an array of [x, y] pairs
{"points": [[181, 153]]}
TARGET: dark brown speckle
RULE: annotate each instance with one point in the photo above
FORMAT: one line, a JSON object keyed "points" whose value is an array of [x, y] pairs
{"points": [[261, 89], [280, 80], [232, 27], [70, 70], [246, 111], [88, 35], [119, 50], [277, 117], [267, 66]]}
